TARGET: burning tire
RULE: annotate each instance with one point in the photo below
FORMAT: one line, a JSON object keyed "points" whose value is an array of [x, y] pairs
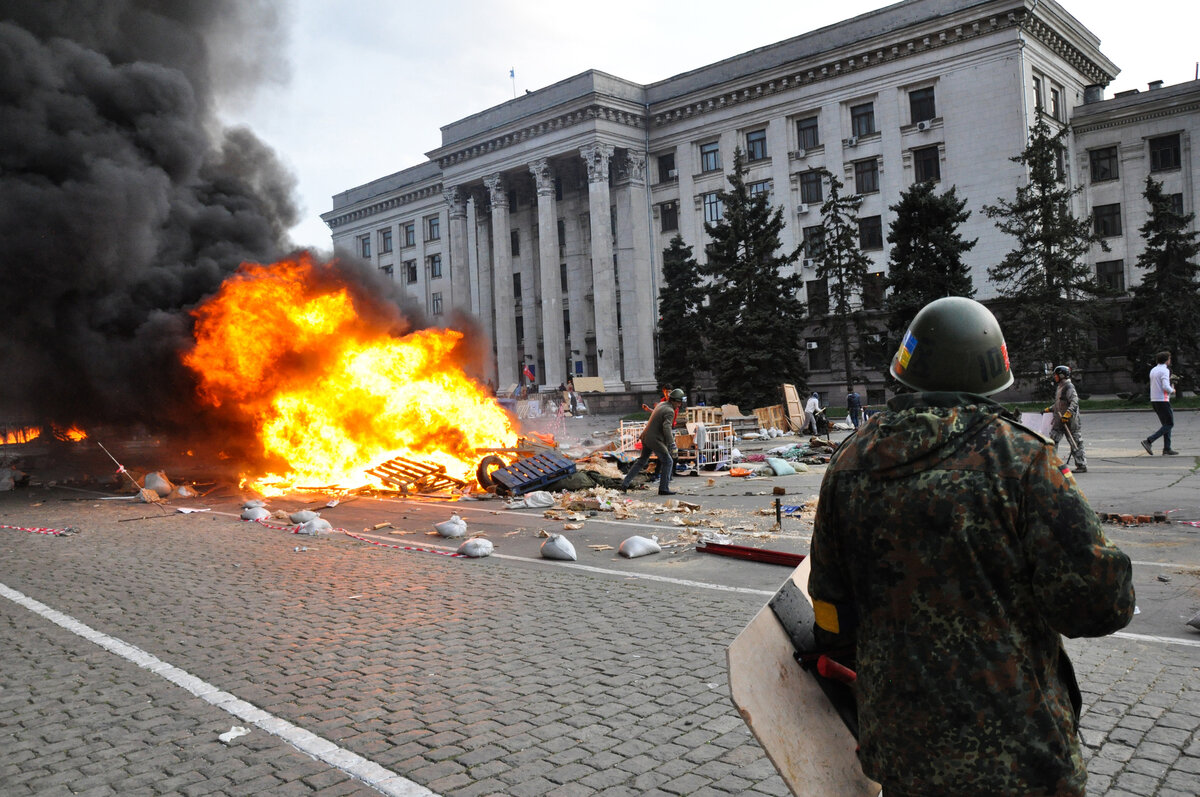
{"points": [[483, 473]]}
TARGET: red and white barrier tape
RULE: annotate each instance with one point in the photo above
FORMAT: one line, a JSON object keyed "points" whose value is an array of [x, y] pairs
{"points": [[51, 532], [296, 529]]}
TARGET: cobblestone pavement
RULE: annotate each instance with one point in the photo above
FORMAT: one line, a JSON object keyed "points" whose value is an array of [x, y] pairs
{"points": [[467, 677]]}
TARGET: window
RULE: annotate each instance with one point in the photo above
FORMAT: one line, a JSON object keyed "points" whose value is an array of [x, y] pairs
{"points": [[669, 214], [562, 276], [562, 233], [818, 354], [517, 285], [435, 266], [666, 167], [810, 188], [756, 145], [872, 293], [433, 228], [410, 272], [870, 232], [364, 245], [1110, 274], [1103, 163], [512, 199], [710, 156], [1176, 204], [1164, 153], [520, 329], [1056, 103], [566, 322], [558, 189], [818, 296], [761, 187], [814, 241], [435, 304], [921, 104], [385, 241], [713, 209], [410, 234], [927, 164], [1037, 92], [1108, 220], [862, 119], [514, 238], [387, 271], [866, 177], [876, 351], [807, 134], [1112, 337], [1060, 164]]}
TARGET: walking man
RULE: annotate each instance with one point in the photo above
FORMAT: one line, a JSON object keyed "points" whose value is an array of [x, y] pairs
{"points": [[1161, 391], [810, 413], [658, 439], [951, 551], [854, 408], [1066, 417]]}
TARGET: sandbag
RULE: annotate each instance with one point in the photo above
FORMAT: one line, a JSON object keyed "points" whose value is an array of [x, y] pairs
{"points": [[639, 546], [255, 513], [314, 527], [159, 483], [476, 548], [538, 499], [780, 466], [558, 547], [454, 527], [303, 516]]}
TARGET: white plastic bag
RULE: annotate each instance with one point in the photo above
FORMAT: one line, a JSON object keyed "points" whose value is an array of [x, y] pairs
{"points": [[454, 527], [538, 499], [639, 546], [558, 547]]}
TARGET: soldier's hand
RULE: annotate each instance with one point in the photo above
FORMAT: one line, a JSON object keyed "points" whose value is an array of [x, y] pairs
{"points": [[1066, 415], [1048, 409]]}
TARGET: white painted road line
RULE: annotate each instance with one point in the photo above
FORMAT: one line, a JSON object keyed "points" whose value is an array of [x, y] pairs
{"points": [[382, 780]]}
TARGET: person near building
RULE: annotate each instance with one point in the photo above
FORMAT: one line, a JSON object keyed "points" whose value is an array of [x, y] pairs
{"points": [[1066, 416], [951, 552], [658, 439], [854, 408], [1161, 391], [810, 413]]}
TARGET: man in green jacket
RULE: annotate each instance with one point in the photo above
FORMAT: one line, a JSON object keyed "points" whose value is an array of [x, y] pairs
{"points": [[951, 549], [658, 438]]}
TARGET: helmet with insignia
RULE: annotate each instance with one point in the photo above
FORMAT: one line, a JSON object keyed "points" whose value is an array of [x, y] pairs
{"points": [[953, 344]]}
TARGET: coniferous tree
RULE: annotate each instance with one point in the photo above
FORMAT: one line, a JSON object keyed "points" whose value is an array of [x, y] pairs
{"points": [[843, 265], [1048, 309], [754, 316], [926, 260], [681, 350], [1165, 309]]}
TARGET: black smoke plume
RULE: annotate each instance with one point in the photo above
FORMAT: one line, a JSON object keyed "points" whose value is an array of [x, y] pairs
{"points": [[123, 202]]}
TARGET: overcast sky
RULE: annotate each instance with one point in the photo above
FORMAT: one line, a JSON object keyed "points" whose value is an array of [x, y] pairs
{"points": [[372, 81]]}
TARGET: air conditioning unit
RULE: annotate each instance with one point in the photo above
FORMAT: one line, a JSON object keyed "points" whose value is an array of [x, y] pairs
{"points": [[672, 174], [799, 154], [801, 209], [810, 262], [852, 141], [923, 126], [812, 344]]}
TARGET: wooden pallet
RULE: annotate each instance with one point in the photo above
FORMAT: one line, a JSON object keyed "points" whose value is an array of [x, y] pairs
{"points": [[771, 417], [709, 416], [532, 473], [407, 476]]}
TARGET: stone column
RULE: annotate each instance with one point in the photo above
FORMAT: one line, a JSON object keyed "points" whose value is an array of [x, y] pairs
{"points": [[553, 343], [604, 288], [460, 276], [639, 304], [507, 368]]}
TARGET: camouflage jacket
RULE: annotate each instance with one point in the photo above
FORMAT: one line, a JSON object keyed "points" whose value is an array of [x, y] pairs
{"points": [[955, 550]]}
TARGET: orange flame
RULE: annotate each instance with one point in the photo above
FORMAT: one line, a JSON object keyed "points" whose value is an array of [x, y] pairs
{"points": [[330, 392], [72, 434], [23, 435]]}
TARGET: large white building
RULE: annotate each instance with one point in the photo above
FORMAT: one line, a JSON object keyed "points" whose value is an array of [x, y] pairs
{"points": [[546, 217]]}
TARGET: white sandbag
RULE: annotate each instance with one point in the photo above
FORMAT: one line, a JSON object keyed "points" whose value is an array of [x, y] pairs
{"points": [[255, 513], [558, 547], [183, 491], [159, 483], [254, 502], [315, 527], [538, 499], [781, 466], [476, 548], [454, 527], [303, 516], [639, 546]]}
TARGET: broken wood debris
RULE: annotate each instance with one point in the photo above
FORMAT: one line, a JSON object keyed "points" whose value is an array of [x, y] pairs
{"points": [[404, 475]]}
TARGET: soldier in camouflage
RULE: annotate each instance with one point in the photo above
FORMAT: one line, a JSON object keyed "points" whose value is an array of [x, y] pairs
{"points": [[1066, 416], [951, 549]]}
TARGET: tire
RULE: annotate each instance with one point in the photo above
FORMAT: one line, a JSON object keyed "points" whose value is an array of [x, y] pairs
{"points": [[483, 473]]}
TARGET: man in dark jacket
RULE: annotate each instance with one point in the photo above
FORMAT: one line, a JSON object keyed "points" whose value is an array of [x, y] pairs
{"points": [[658, 438], [951, 548]]}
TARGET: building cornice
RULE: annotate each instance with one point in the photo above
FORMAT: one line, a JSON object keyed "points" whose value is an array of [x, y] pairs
{"points": [[334, 220], [1136, 117]]}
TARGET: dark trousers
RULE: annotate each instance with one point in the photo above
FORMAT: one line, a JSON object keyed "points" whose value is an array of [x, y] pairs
{"points": [[665, 464], [1166, 417]]}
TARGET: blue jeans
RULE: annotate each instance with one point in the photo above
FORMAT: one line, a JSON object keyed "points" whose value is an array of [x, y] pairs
{"points": [[665, 464], [1167, 417]]}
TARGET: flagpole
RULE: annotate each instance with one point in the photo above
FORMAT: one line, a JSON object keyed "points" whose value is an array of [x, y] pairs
{"points": [[512, 73]]}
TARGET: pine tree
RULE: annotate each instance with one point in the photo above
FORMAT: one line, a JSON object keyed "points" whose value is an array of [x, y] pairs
{"points": [[926, 261], [1165, 309], [754, 316], [842, 264], [681, 350], [1048, 309]]}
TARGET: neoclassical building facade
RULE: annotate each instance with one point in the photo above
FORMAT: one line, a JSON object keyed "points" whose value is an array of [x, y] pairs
{"points": [[545, 217]]}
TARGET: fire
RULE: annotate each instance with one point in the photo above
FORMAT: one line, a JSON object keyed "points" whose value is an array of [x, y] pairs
{"points": [[26, 434], [330, 391], [72, 434]]}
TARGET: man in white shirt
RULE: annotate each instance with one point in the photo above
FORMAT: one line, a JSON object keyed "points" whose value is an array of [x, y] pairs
{"points": [[810, 413], [1161, 391]]}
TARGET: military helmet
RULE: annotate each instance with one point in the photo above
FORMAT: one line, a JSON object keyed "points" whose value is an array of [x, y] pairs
{"points": [[953, 344], [1062, 370], [676, 395]]}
